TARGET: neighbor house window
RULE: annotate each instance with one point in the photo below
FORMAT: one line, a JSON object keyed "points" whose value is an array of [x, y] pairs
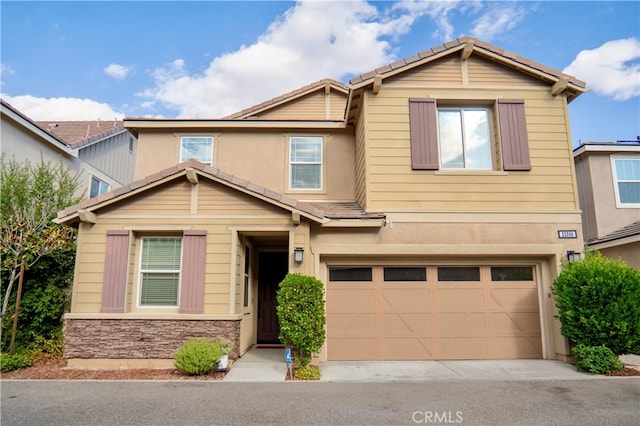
{"points": [[626, 175], [98, 187], [160, 271], [464, 138], [197, 147], [305, 162]]}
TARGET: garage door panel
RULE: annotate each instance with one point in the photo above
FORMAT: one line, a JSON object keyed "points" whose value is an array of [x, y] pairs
{"points": [[404, 300], [341, 300], [461, 324], [515, 323], [462, 348], [405, 349], [459, 299], [352, 349], [513, 299], [362, 325], [399, 325], [515, 347]]}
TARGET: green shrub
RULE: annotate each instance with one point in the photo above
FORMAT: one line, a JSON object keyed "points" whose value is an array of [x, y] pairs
{"points": [[308, 372], [598, 301], [596, 359], [13, 362], [301, 315], [198, 356]]}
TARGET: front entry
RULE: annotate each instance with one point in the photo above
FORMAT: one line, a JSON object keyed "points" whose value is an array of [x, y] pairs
{"points": [[272, 268]]}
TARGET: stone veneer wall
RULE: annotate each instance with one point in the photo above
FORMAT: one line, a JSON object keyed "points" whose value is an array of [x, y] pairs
{"points": [[139, 338]]}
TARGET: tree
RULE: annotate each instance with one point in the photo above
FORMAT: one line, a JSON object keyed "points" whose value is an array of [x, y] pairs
{"points": [[30, 196], [598, 301], [301, 315]]}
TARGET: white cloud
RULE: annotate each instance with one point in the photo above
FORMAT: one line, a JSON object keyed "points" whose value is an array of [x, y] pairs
{"points": [[62, 108], [116, 71], [610, 70], [311, 41], [499, 19]]}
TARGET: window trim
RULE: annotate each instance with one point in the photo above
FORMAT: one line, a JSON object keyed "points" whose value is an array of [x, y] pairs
{"points": [[614, 175], [290, 164], [181, 150], [140, 243]]}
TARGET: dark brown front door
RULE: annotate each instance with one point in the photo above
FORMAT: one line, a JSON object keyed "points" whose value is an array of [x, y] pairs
{"points": [[272, 268]]}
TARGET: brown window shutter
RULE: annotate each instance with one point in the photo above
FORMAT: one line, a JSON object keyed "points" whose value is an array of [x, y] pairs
{"points": [[116, 265], [194, 248], [424, 135], [513, 135]]}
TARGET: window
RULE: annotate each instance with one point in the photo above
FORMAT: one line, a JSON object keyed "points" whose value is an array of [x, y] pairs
{"points": [[196, 147], [405, 274], [464, 138], [350, 274], [247, 259], [459, 274], [160, 271], [626, 175], [305, 160], [131, 144], [97, 187], [461, 137], [512, 273]]}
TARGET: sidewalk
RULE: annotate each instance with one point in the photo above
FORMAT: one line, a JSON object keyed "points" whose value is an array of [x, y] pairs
{"points": [[268, 365]]}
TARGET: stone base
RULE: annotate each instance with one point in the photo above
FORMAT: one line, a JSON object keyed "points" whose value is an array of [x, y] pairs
{"points": [[141, 339]]}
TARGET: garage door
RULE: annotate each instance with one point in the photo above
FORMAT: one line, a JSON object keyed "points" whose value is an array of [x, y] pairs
{"points": [[432, 312]]}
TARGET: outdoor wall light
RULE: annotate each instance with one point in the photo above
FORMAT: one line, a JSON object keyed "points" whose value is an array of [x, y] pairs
{"points": [[298, 254], [573, 256]]}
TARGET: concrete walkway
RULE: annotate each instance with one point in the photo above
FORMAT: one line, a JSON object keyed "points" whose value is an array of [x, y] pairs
{"points": [[268, 365]]}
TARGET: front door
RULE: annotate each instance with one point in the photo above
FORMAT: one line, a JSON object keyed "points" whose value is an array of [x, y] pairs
{"points": [[272, 268]]}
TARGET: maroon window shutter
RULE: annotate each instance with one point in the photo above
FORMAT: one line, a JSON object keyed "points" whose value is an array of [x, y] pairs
{"points": [[513, 135], [116, 265], [424, 135], [194, 246]]}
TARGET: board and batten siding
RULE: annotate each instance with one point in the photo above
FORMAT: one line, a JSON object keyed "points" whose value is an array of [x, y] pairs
{"points": [[314, 106], [394, 186], [154, 211], [112, 156]]}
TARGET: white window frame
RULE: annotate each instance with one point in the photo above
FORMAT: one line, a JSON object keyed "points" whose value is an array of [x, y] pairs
{"points": [[183, 153], [142, 271], [614, 173], [461, 109], [101, 183], [292, 163]]}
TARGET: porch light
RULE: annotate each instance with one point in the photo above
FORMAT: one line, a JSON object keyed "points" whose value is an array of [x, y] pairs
{"points": [[298, 254], [573, 256]]}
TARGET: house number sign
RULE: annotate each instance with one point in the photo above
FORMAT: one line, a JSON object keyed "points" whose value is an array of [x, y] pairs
{"points": [[567, 234]]}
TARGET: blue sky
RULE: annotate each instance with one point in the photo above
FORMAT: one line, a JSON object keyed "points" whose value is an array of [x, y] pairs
{"points": [[205, 59]]}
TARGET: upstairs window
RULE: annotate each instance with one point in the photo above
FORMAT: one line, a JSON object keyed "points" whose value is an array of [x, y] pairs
{"points": [[160, 271], [98, 187], [305, 162], [459, 136], [465, 142], [626, 176], [197, 147]]}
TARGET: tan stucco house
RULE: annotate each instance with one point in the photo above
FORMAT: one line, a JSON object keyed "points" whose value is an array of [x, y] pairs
{"points": [[609, 187], [435, 197]]}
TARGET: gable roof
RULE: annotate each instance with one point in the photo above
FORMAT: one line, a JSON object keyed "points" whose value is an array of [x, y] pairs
{"points": [[33, 127], [82, 133], [467, 46], [324, 84], [320, 212]]}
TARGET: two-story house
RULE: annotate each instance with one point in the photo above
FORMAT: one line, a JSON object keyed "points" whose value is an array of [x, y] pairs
{"points": [[435, 197], [101, 153], [609, 187]]}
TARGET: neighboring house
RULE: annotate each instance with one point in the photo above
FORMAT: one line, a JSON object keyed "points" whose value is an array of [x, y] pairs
{"points": [[102, 153], [435, 197], [609, 187]]}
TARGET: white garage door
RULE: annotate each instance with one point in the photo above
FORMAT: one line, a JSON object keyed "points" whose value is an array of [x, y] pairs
{"points": [[432, 312]]}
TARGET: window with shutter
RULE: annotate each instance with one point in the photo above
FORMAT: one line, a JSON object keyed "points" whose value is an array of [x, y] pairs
{"points": [[513, 135], [423, 131], [160, 271]]}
